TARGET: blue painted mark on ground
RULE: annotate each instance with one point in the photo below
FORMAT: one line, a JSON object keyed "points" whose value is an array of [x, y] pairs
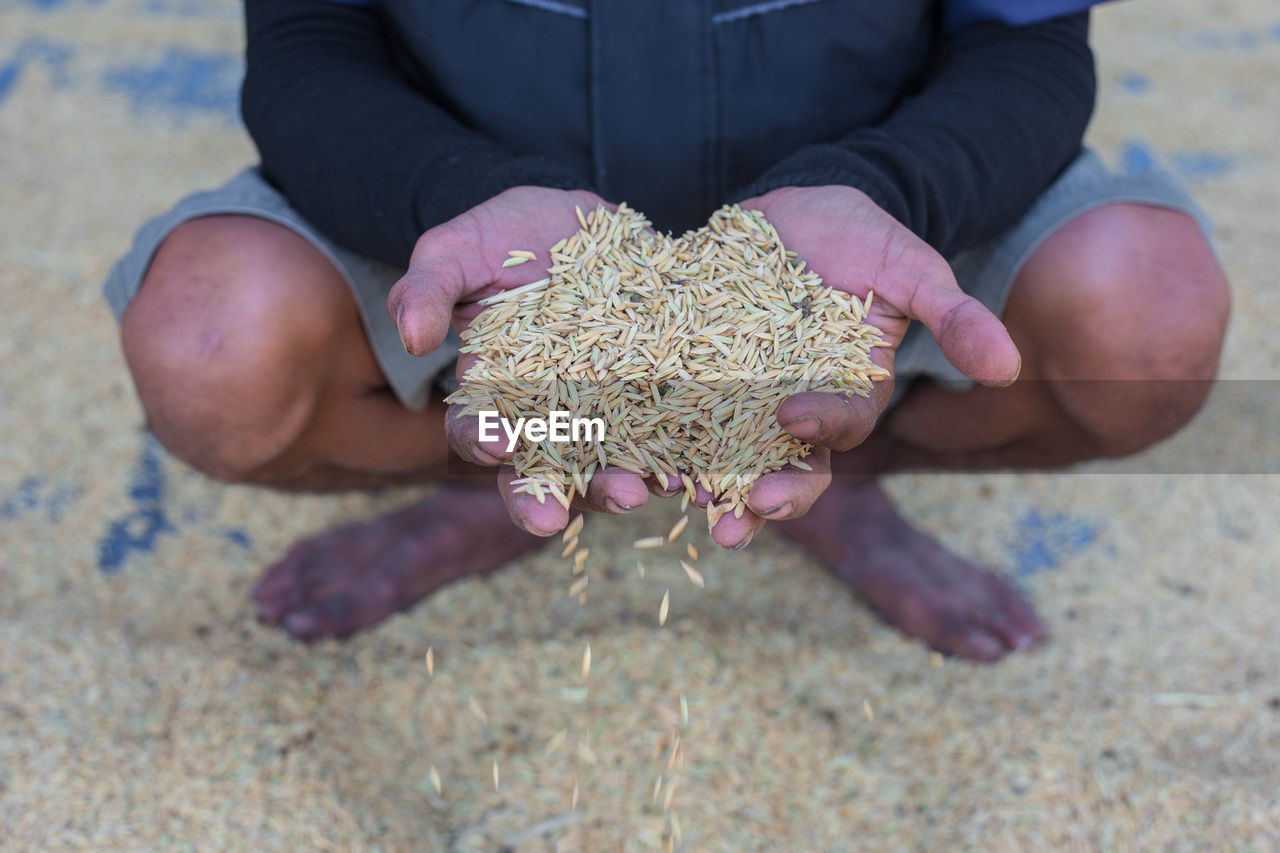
{"points": [[24, 498], [39, 495], [49, 5], [53, 55], [9, 72], [237, 536], [1203, 164], [1135, 83], [181, 81], [137, 530], [1044, 540], [191, 9], [1241, 40], [1136, 158]]}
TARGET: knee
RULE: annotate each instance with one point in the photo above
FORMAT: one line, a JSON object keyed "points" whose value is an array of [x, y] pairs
{"points": [[226, 339], [1134, 309]]}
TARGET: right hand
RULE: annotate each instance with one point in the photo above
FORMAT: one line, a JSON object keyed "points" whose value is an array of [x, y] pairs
{"points": [[458, 263]]}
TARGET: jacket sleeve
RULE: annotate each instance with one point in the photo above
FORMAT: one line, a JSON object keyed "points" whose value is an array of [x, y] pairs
{"points": [[365, 157], [958, 162]]}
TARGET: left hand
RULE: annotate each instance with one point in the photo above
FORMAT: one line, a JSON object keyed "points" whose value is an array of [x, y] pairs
{"points": [[857, 247]]}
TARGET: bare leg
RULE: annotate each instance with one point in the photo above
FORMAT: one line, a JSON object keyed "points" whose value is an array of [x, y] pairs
{"points": [[1120, 318], [252, 365]]}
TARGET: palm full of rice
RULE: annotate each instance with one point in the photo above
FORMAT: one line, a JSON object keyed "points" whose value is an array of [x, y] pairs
{"points": [[684, 348]]}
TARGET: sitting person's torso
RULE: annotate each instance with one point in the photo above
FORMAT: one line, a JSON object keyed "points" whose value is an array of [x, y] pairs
{"points": [[670, 105]]}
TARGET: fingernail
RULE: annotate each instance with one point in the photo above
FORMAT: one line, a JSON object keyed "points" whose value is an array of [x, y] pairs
{"points": [[804, 427], [783, 508], [618, 506], [746, 540], [1016, 373], [481, 453], [400, 327], [527, 527]]}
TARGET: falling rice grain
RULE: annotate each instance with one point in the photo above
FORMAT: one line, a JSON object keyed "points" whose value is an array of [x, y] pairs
{"points": [[569, 547], [691, 551], [586, 661], [495, 774], [579, 586], [573, 801], [684, 711], [478, 711], [435, 780], [574, 528], [657, 787], [694, 574], [557, 741], [678, 528], [649, 542], [431, 662], [662, 610], [580, 560], [867, 712]]}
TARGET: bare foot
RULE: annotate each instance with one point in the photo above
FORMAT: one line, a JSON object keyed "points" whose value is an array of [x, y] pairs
{"points": [[917, 585], [336, 583]]}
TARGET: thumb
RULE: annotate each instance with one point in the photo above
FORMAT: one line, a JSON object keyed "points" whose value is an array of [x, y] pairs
{"points": [[444, 269], [972, 338], [421, 304]]}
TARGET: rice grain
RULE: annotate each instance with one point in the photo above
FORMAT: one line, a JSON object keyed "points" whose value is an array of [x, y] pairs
{"points": [[435, 780]]}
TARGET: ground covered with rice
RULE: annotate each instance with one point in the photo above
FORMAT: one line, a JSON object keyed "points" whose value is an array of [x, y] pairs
{"points": [[142, 708]]}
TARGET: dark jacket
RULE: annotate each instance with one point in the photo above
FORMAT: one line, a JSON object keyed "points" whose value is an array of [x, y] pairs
{"points": [[378, 122]]}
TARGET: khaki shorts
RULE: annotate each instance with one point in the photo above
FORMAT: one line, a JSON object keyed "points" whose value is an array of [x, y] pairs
{"points": [[986, 272]]}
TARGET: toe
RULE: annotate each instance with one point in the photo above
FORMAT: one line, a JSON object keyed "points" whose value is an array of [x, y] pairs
{"points": [[280, 589], [338, 615], [1020, 623], [303, 624], [979, 645]]}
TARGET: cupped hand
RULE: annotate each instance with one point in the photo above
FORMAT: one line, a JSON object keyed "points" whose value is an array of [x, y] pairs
{"points": [[453, 267], [857, 247]]}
